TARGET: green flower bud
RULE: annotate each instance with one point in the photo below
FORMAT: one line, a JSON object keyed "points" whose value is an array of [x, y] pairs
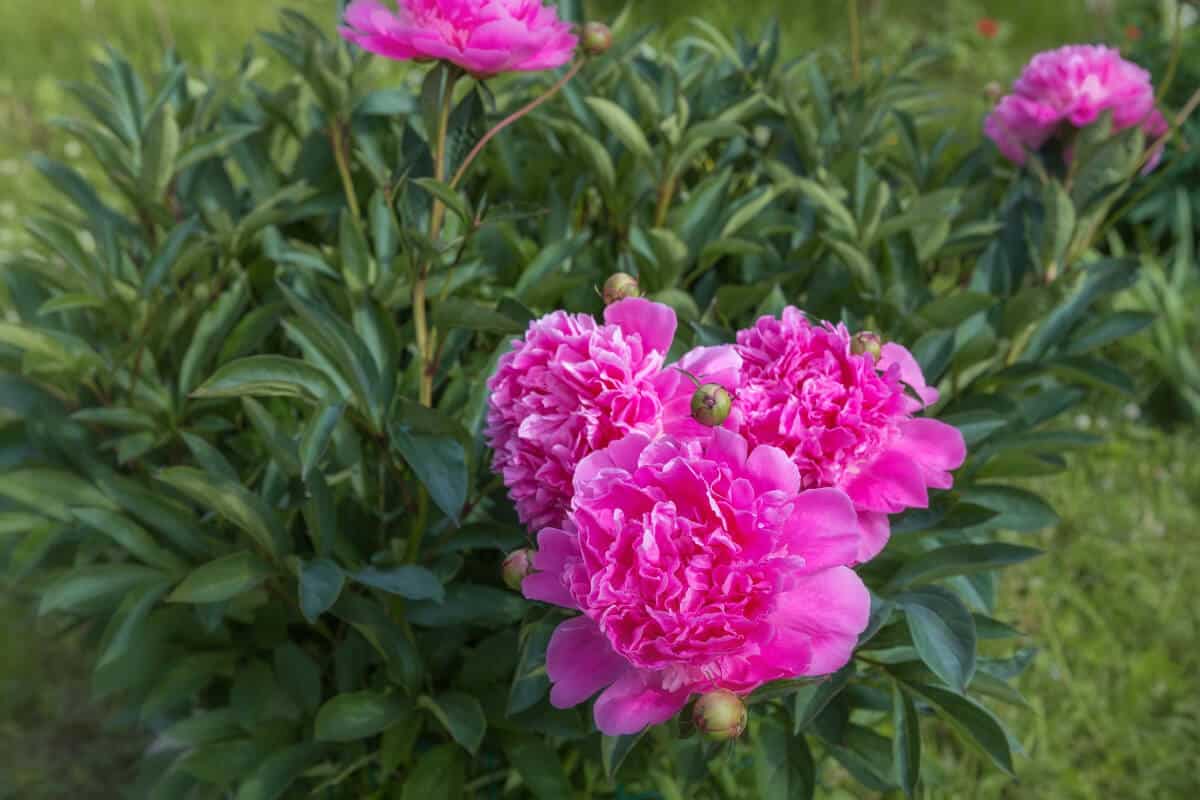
{"points": [[866, 342], [517, 565], [596, 38], [993, 90], [620, 286], [721, 715], [711, 404]]}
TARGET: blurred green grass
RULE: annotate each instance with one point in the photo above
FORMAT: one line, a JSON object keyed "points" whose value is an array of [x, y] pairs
{"points": [[1115, 707]]}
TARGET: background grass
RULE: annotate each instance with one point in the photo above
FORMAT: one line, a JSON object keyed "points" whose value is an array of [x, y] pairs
{"points": [[1113, 695]]}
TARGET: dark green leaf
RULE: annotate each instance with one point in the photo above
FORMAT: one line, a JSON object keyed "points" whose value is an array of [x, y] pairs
{"points": [[943, 633], [348, 717], [461, 715], [960, 559], [408, 581], [222, 579], [441, 464], [438, 775], [783, 765], [973, 721], [320, 585], [468, 604], [906, 746], [268, 376]]}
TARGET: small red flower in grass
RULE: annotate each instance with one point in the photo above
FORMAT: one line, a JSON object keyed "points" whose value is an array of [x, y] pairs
{"points": [[1133, 33], [987, 27]]}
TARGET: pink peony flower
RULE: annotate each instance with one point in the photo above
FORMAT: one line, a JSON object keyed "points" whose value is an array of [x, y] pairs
{"points": [[484, 37], [1072, 86], [845, 420], [698, 565], [573, 386]]}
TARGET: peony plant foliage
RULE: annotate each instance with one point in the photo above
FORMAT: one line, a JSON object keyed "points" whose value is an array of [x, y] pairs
{"points": [[477, 404]]}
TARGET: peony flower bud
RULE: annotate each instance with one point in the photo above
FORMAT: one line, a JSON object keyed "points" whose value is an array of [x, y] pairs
{"points": [[866, 342], [517, 565], [596, 38], [711, 404], [620, 286], [993, 90], [721, 715]]}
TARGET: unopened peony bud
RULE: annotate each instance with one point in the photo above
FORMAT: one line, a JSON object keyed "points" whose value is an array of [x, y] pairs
{"points": [[711, 404], [517, 565], [596, 38], [620, 286], [866, 342], [721, 715], [993, 90]]}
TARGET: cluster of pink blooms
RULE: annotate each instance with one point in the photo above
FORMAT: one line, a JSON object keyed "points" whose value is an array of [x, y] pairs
{"points": [[705, 558], [1069, 88]]}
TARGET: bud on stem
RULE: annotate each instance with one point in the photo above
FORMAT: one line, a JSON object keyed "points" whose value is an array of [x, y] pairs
{"points": [[866, 342], [517, 565], [620, 286], [596, 38], [721, 715], [711, 405]]}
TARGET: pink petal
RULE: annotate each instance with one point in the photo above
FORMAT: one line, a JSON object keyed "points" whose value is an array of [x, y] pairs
{"points": [[634, 702], [936, 447], [824, 530], [891, 484], [771, 470], [556, 549], [824, 614], [721, 365], [653, 322], [910, 373], [727, 447], [580, 662], [875, 529]]}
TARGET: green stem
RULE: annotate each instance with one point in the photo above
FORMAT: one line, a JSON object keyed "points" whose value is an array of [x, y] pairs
{"points": [[338, 140], [437, 216], [855, 39], [1176, 50], [511, 118], [419, 525]]}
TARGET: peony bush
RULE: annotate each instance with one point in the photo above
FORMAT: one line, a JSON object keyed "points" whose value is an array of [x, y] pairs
{"points": [[654, 425]]}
